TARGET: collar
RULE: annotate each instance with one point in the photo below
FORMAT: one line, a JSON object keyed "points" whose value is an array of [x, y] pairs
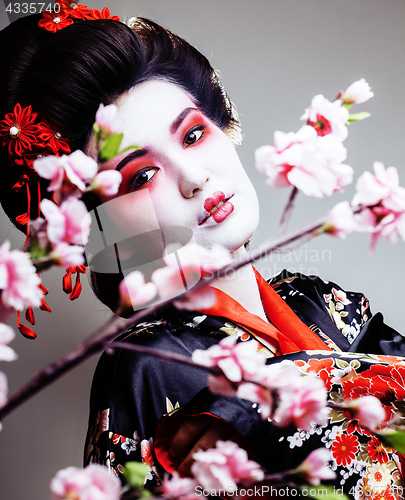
{"points": [[287, 330]]}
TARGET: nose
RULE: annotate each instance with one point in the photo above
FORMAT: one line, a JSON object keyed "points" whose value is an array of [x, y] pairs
{"points": [[191, 177]]}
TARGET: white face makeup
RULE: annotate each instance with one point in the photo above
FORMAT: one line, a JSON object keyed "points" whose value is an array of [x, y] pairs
{"points": [[186, 173]]}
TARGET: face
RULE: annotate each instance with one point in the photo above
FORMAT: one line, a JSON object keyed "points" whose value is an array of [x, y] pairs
{"points": [[185, 174]]}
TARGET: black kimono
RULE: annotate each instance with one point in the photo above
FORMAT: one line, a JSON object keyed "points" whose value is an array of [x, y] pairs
{"points": [[132, 392]]}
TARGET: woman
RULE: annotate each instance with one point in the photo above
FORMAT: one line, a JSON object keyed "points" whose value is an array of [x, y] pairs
{"points": [[173, 106]]}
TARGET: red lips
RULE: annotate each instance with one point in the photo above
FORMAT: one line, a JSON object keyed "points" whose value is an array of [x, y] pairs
{"points": [[212, 202], [217, 214]]}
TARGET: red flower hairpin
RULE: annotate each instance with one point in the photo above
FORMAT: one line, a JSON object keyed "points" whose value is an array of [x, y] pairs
{"points": [[65, 12]]}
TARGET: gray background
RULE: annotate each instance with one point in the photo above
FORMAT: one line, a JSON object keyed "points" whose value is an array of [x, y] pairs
{"points": [[274, 55]]}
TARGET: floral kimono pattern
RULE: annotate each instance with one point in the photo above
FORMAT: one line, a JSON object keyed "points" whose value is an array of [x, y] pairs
{"points": [[134, 394]]}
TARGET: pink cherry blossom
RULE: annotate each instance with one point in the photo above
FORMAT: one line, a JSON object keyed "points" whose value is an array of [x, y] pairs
{"points": [[177, 486], [6, 335], [314, 468], [224, 467], [301, 402], [237, 361], [73, 169], [221, 386], [106, 183], [69, 223], [341, 220], [134, 292], [19, 281], [310, 163], [66, 255], [382, 188], [3, 390], [257, 394], [107, 119], [92, 483], [368, 410], [357, 93], [382, 200], [195, 261], [203, 298], [327, 117]]}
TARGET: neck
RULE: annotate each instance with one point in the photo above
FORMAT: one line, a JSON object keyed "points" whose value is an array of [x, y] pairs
{"points": [[242, 287]]}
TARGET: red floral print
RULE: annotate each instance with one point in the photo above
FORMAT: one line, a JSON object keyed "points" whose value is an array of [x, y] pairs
{"points": [[146, 452], [344, 449], [385, 382], [376, 451], [323, 368]]}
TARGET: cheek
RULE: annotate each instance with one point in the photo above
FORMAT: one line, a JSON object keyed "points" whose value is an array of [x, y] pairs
{"points": [[132, 214]]}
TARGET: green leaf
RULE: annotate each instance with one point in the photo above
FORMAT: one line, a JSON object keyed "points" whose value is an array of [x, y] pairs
{"points": [[323, 492], [110, 147], [128, 148], [36, 251], [135, 474], [96, 129], [355, 117], [392, 438]]}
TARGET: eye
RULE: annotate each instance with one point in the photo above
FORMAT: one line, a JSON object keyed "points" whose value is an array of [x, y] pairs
{"points": [[142, 177], [193, 135]]}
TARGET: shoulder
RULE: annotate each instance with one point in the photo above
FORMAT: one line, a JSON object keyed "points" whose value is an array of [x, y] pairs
{"points": [[288, 285], [321, 303]]}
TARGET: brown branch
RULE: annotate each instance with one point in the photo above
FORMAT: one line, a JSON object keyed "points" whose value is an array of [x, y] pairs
{"points": [[287, 212]]}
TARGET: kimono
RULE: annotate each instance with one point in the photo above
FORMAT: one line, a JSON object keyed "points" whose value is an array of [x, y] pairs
{"points": [[137, 401]]}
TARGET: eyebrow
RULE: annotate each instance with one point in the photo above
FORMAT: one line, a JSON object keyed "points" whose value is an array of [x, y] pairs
{"points": [[132, 156], [179, 120]]}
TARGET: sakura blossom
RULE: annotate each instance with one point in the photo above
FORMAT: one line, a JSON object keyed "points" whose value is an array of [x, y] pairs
{"points": [[177, 486], [327, 117], [357, 93], [310, 163], [237, 361], [195, 261], [68, 170], [3, 390], [19, 282], [341, 220], [69, 223], [134, 292], [303, 401], [224, 467], [203, 298], [368, 410], [314, 468], [382, 203], [221, 386], [66, 255], [108, 121], [6, 335], [106, 183], [257, 394], [92, 483], [382, 188]]}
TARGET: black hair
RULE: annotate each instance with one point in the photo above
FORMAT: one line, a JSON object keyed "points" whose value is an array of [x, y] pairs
{"points": [[65, 75]]}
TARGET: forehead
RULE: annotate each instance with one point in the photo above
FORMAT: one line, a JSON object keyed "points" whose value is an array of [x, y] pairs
{"points": [[155, 103]]}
